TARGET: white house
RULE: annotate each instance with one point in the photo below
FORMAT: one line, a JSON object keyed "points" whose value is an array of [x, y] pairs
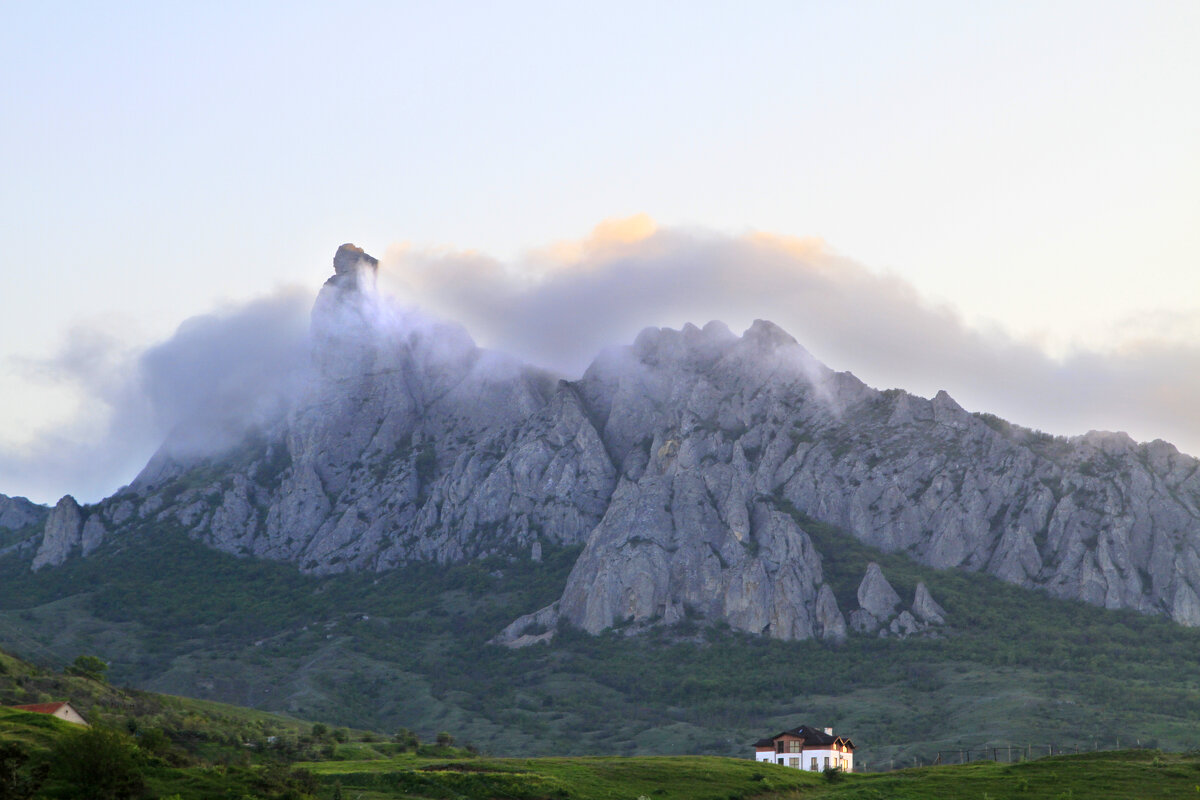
{"points": [[807, 748]]}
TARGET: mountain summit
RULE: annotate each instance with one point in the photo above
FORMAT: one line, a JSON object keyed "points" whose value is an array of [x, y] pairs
{"points": [[685, 465]]}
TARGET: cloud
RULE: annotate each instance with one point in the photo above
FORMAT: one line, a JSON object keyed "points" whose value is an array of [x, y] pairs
{"points": [[560, 305], [217, 376]]}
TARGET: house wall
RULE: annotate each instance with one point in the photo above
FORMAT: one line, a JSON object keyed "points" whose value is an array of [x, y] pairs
{"points": [[70, 715], [836, 758]]}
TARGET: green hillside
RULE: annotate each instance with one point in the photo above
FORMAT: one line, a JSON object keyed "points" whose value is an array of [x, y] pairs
{"points": [[143, 745], [140, 744], [409, 649]]}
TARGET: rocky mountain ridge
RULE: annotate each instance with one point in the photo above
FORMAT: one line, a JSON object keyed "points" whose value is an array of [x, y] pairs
{"points": [[683, 464]]}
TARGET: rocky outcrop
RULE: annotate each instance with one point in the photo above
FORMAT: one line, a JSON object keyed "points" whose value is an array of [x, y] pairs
{"points": [[926, 609], [68, 528], [878, 603], [685, 464], [875, 595]]}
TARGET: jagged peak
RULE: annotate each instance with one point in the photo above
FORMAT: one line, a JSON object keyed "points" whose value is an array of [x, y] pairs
{"points": [[943, 400], [1112, 442], [714, 337], [67, 501], [350, 257], [353, 268], [768, 334]]}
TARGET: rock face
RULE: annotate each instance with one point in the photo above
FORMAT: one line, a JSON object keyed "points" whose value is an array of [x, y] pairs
{"points": [[877, 608], [875, 595], [17, 513], [68, 528], [685, 465], [926, 609]]}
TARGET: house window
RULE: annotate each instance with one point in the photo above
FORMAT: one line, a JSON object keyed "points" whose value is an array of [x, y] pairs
{"points": [[826, 762], [794, 746], [781, 761], [814, 763], [794, 762]]}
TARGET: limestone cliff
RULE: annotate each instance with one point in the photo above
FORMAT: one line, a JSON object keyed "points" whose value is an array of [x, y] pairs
{"points": [[679, 463]]}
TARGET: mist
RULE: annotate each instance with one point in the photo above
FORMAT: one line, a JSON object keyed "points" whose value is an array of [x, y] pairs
{"points": [[559, 306], [222, 374], [217, 377]]}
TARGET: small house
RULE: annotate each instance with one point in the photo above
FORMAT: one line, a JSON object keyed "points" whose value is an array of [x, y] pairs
{"points": [[807, 748], [63, 711]]}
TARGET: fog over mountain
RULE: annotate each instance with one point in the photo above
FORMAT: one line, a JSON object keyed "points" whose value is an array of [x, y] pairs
{"points": [[687, 465], [559, 306]]}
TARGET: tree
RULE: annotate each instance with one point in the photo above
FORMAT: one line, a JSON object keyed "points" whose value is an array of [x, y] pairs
{"points": [[406, 739], [89, 667], [98, 764], [444, 739], [16, 782]]}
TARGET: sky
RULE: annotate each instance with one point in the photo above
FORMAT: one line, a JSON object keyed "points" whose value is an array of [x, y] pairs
{"points": [[997, 199]]}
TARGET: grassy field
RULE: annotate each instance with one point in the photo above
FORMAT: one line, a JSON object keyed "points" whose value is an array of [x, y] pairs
{"points": [[1117, 775], [595, 778]]}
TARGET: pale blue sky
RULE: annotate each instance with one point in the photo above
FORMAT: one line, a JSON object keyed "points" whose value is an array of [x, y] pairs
{"points": [[1033, 166]]}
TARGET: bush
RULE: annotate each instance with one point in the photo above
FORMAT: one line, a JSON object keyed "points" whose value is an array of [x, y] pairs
{"points": [[17, 782], [98, 764], [407, 739]]}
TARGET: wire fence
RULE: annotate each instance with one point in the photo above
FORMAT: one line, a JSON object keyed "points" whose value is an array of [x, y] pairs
{"points": [[1004, 753]]}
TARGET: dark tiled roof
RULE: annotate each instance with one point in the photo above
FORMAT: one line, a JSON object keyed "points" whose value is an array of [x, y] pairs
{"points": [[812, 737]]}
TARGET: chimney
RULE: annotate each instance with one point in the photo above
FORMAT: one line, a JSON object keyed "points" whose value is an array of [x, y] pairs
{"points": [[829, 731]]}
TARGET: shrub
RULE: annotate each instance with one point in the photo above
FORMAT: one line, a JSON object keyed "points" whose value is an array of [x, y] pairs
{"points": [[17, 782], [98, 764], [407, 739]]}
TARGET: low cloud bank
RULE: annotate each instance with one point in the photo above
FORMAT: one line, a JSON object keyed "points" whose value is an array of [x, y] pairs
{"points": [[557, 307], [218, 375]]}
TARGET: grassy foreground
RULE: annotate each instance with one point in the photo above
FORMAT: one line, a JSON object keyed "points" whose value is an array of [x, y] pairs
{"points": [[1119, 775]]}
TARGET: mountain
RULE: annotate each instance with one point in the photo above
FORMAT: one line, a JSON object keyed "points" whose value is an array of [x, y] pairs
{"points": [[22, 524], [685, 465]]}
